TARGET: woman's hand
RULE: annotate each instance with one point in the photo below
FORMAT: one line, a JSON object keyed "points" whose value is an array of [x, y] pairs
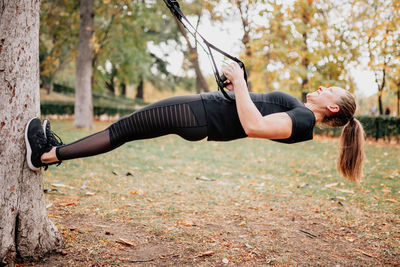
{"points": [[233, 73]]}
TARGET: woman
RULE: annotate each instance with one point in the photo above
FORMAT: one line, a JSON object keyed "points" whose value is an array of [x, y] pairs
{"points": [[276, 116]]}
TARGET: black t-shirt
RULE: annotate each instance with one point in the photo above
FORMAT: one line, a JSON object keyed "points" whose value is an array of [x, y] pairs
{"points": [[224, 124]]}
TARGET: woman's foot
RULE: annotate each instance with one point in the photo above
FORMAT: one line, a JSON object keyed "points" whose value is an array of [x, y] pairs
{"points": [[36, 144]]}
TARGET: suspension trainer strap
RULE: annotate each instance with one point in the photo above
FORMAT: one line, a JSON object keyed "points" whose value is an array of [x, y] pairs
{"points": [[174, 7]]}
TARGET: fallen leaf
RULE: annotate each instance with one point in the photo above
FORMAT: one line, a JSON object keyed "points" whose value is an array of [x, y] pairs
{"points": [[187, 223], [62, 185], [391, 200], [345, 191], [137, 191], [66, 204], [83, 187], [125, 242], [53, 190], [203, 178], [331, 185], [207, 253], [248, 246], [242, 223], [367, 254], [302, 185]]}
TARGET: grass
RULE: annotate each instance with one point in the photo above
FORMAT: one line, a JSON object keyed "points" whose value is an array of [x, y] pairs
{"points": [[251, 186]]}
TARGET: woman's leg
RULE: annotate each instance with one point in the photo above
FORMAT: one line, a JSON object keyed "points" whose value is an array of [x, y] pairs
{"points": [[183, 115]]}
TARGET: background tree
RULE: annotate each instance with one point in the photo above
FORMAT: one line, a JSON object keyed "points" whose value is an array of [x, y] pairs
{"points": [[192, 54], [124, 58], [83, 90], [270, 48], [25, 229], [379, 35], [59, 29], [246, 11]]}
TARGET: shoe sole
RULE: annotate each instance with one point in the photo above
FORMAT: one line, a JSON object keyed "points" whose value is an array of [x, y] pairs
{"points": [[28, 148]]}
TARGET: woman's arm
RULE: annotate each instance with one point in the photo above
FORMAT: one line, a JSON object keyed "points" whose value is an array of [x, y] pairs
{"points": [[273, 126]]}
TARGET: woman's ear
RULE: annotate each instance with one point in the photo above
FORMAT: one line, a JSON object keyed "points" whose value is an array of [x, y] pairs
{"points": [[333, 108]]}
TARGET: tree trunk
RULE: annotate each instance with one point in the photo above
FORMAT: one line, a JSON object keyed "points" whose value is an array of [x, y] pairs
{"points": [[398, 99], [48, 86], [83, 88], [123, 89], [201, 83], [26, 232], [243, 8], [110, 84], [305, 62], [303, 90], [380, 105], [140, 90]]}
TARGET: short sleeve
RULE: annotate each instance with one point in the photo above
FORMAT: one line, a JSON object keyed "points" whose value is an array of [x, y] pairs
{"points": [[303, 121]]}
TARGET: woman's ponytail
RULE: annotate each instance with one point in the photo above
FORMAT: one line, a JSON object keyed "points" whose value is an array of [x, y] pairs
{"points": [[351, 150]]}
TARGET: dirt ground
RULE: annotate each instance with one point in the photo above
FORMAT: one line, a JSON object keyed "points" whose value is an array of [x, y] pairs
{"points": [[299, 234]]}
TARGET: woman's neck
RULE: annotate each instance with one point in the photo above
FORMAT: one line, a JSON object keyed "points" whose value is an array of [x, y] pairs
{"points": [[318, 113]]}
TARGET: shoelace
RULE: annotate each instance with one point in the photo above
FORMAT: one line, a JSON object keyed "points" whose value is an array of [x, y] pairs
{"points": [[59, 142], [41, 144], [41, 140], [56, 138]]}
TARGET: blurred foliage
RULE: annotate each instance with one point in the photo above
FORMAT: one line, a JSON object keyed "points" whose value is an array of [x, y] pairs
{"points": [[376, 25], [103, 104], [294, 47], [384, 127], [59, 28]]}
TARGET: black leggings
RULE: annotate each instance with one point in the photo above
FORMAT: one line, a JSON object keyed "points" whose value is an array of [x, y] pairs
{"points": [[182, 115]]}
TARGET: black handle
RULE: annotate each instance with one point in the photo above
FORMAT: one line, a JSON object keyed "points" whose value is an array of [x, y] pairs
{"points": [[223, 77]]}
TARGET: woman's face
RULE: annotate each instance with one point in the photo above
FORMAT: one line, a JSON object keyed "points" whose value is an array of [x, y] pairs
{"points": [[326, 97]]}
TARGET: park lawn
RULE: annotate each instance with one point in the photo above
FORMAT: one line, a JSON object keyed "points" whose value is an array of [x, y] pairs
{"points": [[167, 201]]}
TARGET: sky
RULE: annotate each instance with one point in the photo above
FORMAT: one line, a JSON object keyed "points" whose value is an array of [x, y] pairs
{"points": [[228, 38]]}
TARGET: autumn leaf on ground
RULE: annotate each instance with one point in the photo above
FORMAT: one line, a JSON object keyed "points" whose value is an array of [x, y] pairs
{"points": [[125, 242], [345, 191], [66, 204], [137, 192], [187, 223], [62, 185], [207, 253]]}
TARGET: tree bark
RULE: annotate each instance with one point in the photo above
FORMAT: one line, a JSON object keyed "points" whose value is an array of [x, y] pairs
{"points": [[398, 99], [26, 232], [123, 89], [140, 90], [201, 83], [243, 8], [83, 87]]}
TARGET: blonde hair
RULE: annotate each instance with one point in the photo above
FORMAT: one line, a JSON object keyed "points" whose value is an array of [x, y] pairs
{"points": [[352, 138]]}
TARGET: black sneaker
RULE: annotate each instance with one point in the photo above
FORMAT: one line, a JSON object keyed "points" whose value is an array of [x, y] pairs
{"points": [[52, 138], [36, 144]]}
